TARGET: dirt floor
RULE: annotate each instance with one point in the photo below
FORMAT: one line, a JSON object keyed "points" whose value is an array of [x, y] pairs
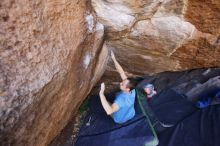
{"points": [[67, 136]]}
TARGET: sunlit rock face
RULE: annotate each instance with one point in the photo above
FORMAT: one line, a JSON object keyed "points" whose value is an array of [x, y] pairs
{"points": [[151, 36], [51, 55]]}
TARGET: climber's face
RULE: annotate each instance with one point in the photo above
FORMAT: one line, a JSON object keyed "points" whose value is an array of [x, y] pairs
{"points": [[123, 85]]}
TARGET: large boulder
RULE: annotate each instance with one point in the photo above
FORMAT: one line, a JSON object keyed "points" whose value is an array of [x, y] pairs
{"points": [[152, 36], [51, 56]]}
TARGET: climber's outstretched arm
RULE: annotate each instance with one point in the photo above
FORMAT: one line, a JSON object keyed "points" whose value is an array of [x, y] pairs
{"points": [[118, 67], [109, 108]]}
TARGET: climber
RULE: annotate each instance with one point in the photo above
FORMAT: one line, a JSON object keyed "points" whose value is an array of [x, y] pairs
{"points": [[122, 108], [149, 90]]}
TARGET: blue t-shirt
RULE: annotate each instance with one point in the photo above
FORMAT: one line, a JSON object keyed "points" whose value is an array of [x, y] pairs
{"points": [[125, 102]]}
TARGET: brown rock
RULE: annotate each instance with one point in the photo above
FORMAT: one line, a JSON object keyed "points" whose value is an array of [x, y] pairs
{"points": [[51, 56], [205, 15], [165, 35]]}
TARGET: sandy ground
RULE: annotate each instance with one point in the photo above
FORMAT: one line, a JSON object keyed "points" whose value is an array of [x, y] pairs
{"points": [[67, 136]]}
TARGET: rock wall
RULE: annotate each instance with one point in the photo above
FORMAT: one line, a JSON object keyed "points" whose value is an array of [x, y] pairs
{"points": [[52, 53], [50, 57], [152, 36]]}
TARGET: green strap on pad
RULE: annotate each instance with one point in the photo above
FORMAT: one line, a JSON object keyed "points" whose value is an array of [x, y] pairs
{"points": [[143, 103]]}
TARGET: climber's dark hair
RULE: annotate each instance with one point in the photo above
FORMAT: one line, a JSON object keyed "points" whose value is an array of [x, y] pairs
{"points": [[132, 83]]}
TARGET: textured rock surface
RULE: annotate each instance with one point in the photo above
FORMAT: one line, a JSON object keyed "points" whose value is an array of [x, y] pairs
{"points": [[50, 58], [161, 35], [51, 53]]}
